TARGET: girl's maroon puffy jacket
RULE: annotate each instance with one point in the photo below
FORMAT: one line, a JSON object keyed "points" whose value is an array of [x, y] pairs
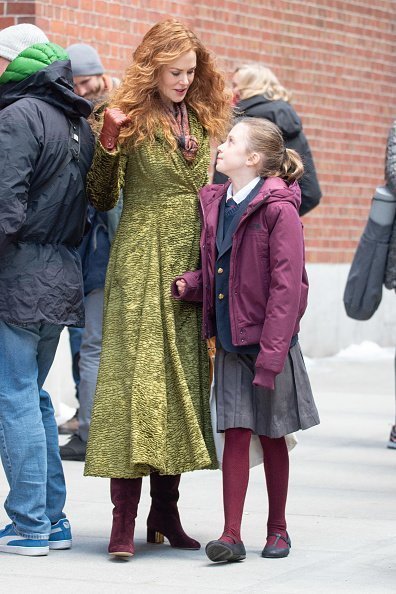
{"points": [[268, 284]]}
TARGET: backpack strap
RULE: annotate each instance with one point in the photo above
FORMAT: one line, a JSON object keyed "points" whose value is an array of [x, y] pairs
{"points": [[73, 152]]}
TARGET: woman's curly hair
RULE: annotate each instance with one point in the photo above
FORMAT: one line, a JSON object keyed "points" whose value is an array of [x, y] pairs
{"points": [[138, 95]]}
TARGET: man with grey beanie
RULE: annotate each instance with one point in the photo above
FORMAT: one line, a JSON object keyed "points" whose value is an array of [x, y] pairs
{"points": [[45, 152], [95, 253], [90, 80]]}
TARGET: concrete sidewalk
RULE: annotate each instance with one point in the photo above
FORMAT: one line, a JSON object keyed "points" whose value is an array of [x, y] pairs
{"points": [[341, 512]]}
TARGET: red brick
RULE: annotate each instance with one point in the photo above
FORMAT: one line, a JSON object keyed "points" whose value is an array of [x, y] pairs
{"points": [[7, 22], [24, 19], [20, 8]]}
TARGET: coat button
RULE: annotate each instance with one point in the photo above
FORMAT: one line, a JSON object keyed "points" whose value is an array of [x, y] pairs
{"points": [[221, 296], [220, 271]]}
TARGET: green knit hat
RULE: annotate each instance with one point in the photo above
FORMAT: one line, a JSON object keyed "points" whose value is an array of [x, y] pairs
{"points": [[31, 60]]}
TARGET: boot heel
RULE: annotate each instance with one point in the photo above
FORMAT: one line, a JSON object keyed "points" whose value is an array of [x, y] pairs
{"points": [[154, 537]]}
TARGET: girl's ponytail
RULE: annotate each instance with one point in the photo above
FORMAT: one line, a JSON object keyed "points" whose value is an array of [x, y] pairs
{"points": [[292, 167]]}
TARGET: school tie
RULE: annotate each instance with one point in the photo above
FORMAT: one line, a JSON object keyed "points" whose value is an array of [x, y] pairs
{"points": [[230, 207]]}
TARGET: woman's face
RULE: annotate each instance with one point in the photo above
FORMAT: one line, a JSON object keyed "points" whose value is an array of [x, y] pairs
{"points": [[176, 78], [236, 96]]}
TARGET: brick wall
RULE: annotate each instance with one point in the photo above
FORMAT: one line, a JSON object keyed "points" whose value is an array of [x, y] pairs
{"points": [[337, 57]]}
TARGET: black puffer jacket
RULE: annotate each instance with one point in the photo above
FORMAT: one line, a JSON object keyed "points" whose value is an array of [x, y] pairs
{"points": [[40, 269], [285, 117]]}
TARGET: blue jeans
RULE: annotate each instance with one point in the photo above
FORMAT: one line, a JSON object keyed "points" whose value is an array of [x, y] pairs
{"points": [[28, 433], [91, 346]]}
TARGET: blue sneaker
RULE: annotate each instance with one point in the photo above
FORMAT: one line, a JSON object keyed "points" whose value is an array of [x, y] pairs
{"points": [[61, 536], [11, 542]]}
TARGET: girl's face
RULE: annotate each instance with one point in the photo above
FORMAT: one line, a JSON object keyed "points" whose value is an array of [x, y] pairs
{"points": [[233, 156], [176, 78]]}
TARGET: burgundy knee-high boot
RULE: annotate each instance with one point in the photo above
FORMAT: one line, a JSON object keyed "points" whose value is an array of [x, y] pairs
{"points": [[163, 519], [125, 495]]}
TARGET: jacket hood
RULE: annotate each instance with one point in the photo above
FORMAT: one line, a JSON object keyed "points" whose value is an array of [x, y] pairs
{"points": [[278, 111], [273, 190], [276, 189], [54, 85]]}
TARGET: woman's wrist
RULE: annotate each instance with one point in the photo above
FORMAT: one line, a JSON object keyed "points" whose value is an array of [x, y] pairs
{"points": [[109, 143]]}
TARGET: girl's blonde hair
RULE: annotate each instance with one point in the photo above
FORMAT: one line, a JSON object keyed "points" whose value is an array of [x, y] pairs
{"points": [[260, 80], [265, 138], [138, 94]]}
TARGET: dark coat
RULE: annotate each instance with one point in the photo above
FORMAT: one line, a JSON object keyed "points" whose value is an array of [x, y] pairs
{"points": [[40, 269], [268, 285], [285, 117], [95, 251], [390, 177], [390, 160]]}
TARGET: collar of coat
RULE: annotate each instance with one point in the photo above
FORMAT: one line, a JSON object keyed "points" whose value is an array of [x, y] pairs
{"points": [[274, 189]]}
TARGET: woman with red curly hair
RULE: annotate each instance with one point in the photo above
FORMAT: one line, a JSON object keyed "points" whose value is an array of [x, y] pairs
{"points": [[151, 412]]}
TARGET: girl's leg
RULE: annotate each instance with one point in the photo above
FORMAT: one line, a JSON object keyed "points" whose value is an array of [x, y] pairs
{"points": [[276, 466], [235, 481], [230, 547]]}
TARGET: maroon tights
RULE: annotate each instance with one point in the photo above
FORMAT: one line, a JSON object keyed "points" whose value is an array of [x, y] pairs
{"points": [[236, 478]]}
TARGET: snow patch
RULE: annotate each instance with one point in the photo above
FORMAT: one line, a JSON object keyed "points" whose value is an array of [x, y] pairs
{"points": [[366, 351]]}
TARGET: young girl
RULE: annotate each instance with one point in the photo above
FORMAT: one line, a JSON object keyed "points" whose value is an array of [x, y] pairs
{"points": [[254, 288]]}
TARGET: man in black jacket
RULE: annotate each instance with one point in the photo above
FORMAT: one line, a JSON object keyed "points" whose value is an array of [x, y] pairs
{"points": [[45, 151]]}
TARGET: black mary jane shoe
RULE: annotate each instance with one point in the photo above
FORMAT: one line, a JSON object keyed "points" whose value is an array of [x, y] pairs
{"points": [[272, 552], [218, 550]]}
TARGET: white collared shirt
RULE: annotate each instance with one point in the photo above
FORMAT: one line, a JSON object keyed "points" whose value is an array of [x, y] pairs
{"points": [[243, 192]]}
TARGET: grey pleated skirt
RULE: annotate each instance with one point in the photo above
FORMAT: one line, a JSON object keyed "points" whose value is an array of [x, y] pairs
{"points": [[273, 413]]}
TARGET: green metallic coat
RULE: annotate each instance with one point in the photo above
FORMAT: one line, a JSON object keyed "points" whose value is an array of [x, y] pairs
{"points": [[151, 409]]}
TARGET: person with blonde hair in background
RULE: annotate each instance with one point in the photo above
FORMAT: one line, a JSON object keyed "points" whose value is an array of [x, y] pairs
{"points": [[257, 93], [151, 411]]}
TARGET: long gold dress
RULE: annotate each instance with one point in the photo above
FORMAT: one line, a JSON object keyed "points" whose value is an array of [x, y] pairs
{"points": [[151, 407]]}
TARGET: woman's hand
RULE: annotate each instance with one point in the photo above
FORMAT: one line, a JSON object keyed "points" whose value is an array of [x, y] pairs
{"points": [[181, 286], [114, 119]]}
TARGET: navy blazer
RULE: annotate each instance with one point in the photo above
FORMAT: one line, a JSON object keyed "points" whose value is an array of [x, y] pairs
{"points": [[224, 244]]}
